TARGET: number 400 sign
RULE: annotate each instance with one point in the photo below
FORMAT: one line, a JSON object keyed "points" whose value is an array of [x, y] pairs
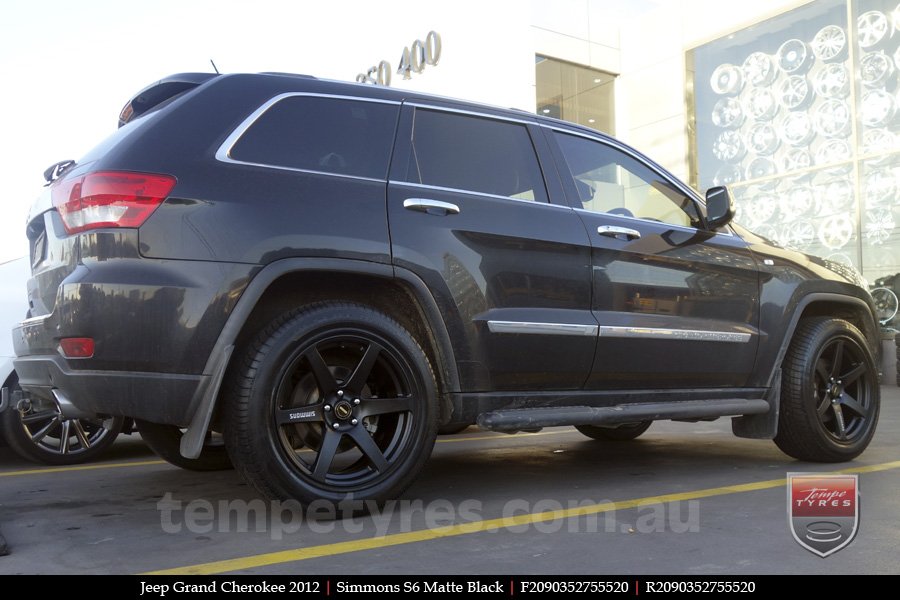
{"points": [[413, 60]]}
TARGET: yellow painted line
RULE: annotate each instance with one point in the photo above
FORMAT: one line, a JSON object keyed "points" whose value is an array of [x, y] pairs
{"points": [[69, 469], [298, 554], [144, 463]]}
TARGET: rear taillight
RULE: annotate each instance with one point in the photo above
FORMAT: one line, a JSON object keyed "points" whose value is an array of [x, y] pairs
{"points": [[109, 199]]}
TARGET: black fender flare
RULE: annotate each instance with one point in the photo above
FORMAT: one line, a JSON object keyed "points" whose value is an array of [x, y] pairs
{"points": [[765, 426], [204, 400]]}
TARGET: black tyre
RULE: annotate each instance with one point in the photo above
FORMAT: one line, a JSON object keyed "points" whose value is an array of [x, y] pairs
{"points": [[622, 433], [331, 402], [829, 393], [165, 441], [41, 434]]}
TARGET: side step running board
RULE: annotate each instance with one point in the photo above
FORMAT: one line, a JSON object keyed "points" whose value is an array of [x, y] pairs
{"points": [[519, 419]]}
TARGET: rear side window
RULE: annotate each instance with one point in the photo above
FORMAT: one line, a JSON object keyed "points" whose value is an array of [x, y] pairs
{"points": [[471, 153], [331, 135]]}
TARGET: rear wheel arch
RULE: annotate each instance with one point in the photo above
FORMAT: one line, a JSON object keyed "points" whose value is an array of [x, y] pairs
{"points": [[289, 283]]}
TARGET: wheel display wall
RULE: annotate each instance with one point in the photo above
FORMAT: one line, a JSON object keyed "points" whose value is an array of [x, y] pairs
{"points": [[800, 117]]}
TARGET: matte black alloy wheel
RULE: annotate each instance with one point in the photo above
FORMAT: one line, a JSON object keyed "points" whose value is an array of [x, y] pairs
{"points": [[332, 402], [344, 410], [843, 390], [829, 393]]}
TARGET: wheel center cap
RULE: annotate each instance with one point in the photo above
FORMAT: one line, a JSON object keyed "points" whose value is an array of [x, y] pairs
{"points": [[343, 410], [835, 391]]}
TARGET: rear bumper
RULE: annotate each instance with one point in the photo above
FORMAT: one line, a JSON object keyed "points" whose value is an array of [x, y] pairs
{"points": [[158, 397]]}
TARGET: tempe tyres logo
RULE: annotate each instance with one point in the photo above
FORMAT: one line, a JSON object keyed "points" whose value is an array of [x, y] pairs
{"points": [[823, 510]]}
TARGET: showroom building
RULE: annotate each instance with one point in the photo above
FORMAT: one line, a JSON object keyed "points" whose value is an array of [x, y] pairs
{"points": [[793, 105]]}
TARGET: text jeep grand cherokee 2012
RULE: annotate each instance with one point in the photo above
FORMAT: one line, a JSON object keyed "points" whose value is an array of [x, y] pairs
{"points": [[319, 275]]}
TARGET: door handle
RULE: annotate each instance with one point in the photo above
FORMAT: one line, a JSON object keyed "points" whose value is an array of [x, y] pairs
{"points": [[614, 232], [432, 207]]}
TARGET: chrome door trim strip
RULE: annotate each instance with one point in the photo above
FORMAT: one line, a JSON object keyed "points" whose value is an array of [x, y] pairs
{"points": [[542, 328], [658, 333]]}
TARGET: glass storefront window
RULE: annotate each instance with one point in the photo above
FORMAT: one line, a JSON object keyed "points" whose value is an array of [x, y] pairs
{"points": [[800, 116], [575, 93]]}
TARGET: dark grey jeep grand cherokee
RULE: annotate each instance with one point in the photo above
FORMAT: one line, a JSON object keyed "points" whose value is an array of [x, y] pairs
{"points": [[308, 279]]}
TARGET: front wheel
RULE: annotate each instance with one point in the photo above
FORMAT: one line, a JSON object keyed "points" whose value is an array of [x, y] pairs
{"points": [[332, 402], [829, 393]]}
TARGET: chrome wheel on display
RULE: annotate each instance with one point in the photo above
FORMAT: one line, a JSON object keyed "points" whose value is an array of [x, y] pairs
{"points": [[833, 81], [797, 129], [796, 158], [834, 196], [878, 108], [881, 188], [876, 69], [760, 167], [761, 104], [800, 234], [879, 225], [726, 80], [871, 28], [727, 175], [877, 141], [794, 57], [829, 43], [834, 151], [729, 147], [794, 92], [833, 119], [759, 69], [762, 139], [763, 207], [801, 201], [885, 304], [728, 114], [836, 231]]}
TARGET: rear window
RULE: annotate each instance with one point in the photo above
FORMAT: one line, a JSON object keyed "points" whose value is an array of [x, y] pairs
{"points": [[472, 153], [330, 135]]}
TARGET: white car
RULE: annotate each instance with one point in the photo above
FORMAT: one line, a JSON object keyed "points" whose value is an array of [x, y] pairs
{"points": [[34, 430]]}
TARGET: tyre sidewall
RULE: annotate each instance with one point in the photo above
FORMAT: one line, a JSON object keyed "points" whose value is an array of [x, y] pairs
{"points": [[299, 333]]}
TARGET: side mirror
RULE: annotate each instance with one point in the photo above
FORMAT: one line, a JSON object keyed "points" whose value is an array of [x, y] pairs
{"points": [[719, 207]]}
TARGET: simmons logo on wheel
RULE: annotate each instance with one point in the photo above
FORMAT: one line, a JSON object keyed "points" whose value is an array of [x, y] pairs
{"points": [[823, 510]]}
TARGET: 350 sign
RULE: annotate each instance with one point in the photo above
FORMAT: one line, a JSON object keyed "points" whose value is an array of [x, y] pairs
{"points": [[413, 60]]}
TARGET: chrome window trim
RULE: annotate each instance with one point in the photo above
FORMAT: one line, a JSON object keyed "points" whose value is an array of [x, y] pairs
{"points": [[425, 186], [471, 113], [575, 329], [223, 154], [655, 168], [658, 333]]}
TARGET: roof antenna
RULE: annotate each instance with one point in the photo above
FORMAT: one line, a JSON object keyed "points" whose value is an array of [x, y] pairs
{"points": [[215, 68]]}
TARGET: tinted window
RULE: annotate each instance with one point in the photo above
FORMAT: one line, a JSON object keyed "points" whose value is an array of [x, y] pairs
{"points": [[608, 180], [470, 153], [349, 137]]}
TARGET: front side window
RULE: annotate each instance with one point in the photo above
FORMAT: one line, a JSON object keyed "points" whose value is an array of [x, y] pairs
{"points": [[476, 154], [610, 181], [330, 135]]}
